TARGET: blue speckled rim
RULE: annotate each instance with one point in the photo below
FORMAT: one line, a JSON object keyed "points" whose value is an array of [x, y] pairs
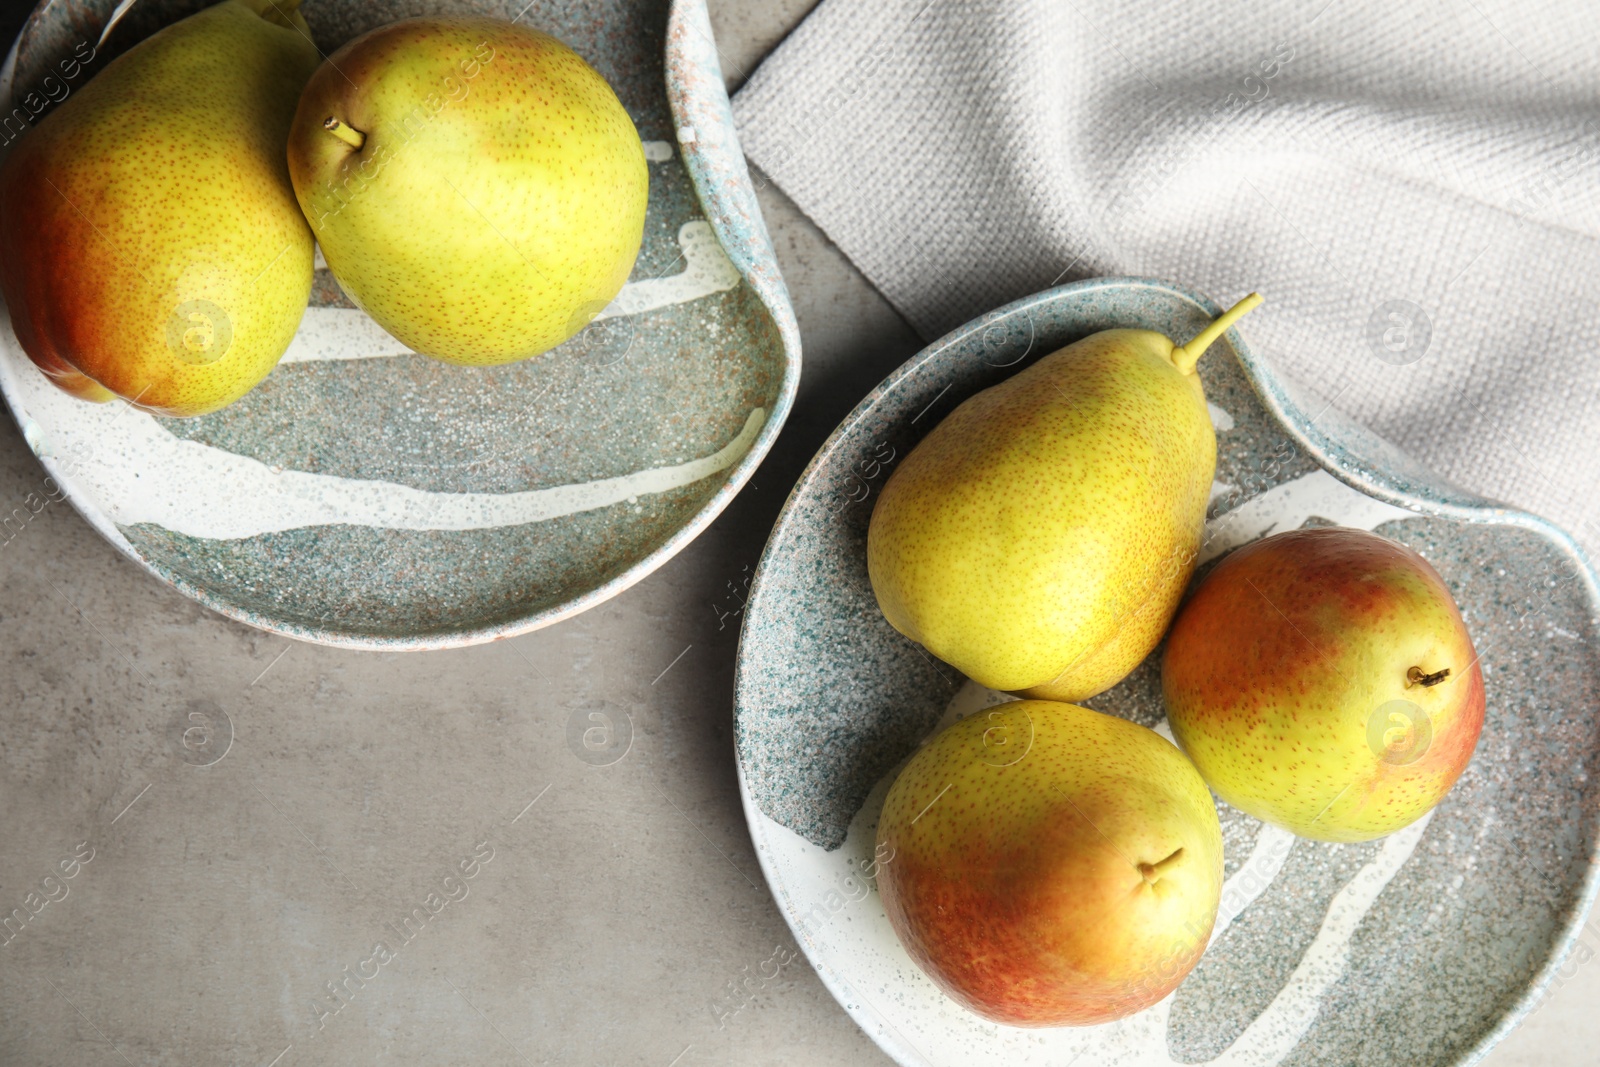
{"points": [[1345, 450], [711, 154]]}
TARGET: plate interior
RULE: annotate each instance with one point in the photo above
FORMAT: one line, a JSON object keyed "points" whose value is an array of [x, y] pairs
{"points": [[366, 495], [1421, 949]]}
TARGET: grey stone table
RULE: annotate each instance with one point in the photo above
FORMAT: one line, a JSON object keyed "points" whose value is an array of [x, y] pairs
{"points": [[555, 910]]}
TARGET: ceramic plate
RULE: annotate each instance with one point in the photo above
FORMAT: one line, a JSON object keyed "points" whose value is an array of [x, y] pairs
{"points": [[370, 497], [1422, 948]]}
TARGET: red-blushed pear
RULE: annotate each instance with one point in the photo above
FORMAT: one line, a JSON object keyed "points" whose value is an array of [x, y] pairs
{"points": [[1323, 680], [150, 244], [1051, 865]]}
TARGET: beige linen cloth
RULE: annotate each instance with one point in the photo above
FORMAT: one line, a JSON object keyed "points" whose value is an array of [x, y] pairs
{"points": [[1414, 187]]}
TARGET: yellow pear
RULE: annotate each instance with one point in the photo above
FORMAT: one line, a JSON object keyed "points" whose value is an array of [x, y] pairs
{"points": [[150, 243], [1038, 539], [477, 187]]}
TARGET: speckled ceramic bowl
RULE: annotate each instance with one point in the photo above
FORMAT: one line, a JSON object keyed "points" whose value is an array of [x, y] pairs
{"points": [[370, 497], [1423, 948]]}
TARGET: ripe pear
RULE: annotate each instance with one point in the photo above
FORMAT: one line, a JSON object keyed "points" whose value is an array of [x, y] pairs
{"points": [[150, 244], [476, 187], [1049, 865], [1038, 539], [1323, 680]]}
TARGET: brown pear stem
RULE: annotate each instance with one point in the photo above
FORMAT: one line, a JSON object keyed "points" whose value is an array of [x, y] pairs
{"points": [[1416, 676], [1184, 357], [352, 137]]}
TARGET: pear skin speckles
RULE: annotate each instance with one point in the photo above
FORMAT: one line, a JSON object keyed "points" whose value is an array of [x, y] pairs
{"points": [[1051, 865], [150, 244], [497, 200], [1039, 538], [1286, 680]]}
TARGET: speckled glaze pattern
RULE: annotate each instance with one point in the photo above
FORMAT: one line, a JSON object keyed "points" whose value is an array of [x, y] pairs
{"points": [[666, 386], [1472, 924]]}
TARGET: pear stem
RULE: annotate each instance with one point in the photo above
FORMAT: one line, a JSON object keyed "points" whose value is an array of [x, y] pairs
{"points": [[1184, 357], [1417, 676], [354, 138], [1152, 872], [278, 12]]}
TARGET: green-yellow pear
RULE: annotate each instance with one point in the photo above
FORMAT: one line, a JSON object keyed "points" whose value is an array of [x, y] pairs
{"points": [[150, 243], [1049, 865], [476, 187], [1039, 538], [1323, 680]]}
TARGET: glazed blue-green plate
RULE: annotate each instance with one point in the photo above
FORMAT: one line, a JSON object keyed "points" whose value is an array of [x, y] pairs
{"points": [[370, 497], [1420, 949]]}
